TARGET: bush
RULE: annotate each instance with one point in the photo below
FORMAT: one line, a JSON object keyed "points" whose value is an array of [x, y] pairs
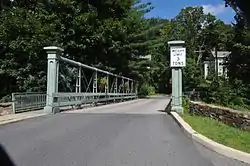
{"points": [[5, 99], [185, 102], [102, 83], [223, 92], [146, 90]]}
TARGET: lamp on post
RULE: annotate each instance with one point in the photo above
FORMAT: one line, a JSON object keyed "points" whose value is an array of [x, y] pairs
{"points": [[177, 62]]}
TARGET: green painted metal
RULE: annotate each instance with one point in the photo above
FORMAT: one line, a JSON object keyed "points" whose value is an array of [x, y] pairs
{"points": [[52, 99], [56, 99], [176, 104], [52, 76], [71, 99], [23, 102]]}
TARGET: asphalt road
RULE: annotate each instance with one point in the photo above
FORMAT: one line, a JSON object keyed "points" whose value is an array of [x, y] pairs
{"points": [[136, 134]]}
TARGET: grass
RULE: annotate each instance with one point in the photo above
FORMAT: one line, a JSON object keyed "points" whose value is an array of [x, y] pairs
{"points": [[240, 108], [219, 132], [244, 108]]}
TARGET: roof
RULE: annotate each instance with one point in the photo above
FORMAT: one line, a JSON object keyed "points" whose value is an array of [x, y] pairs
{"points": [[176, 42], [221, 54], [147, 57]]}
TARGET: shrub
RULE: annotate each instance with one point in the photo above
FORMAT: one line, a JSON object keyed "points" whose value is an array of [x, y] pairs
{"points": [[185, 102], [126, 85], [146, 90], [102, 83]]}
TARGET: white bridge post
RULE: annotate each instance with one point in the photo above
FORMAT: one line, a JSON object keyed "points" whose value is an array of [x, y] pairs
{"points": [[53, 54], [177, 62]]}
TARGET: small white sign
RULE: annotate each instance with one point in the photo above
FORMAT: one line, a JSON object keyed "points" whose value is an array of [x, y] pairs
{"points": [[177, 57]]}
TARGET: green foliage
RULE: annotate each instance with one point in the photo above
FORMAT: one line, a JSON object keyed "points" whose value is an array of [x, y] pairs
{"points": [[219, 132], [241, 7], [185, 103], [112, 35], [239, 63], [126, 86], [97, 33], [199, 29], [192, 76], [146, 90], [221, 91], [102, 82]]}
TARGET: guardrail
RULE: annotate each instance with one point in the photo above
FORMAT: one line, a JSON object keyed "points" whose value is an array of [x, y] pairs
{"points": [[29, 101], [23, 102], [70, 99]]}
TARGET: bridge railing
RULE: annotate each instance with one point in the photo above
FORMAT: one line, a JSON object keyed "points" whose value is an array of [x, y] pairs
{"points": [[23, 102], [72, 83], [28, 101], [71, 99]]}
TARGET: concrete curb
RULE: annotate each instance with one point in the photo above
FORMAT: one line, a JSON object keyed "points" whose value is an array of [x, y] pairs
{"points": [[17, 119], [210, 144]]}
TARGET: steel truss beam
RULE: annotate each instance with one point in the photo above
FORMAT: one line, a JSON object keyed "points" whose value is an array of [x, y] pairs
{"points": [[88, 89]]}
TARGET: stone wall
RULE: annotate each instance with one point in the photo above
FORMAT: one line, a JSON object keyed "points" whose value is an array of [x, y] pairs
{"points": [[228, 116]]}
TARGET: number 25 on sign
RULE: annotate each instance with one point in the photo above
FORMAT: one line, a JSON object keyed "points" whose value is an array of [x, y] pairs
{"points": [[178, 57]]}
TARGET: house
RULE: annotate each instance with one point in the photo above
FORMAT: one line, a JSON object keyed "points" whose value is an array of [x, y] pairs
{"points": [[147, 57], [210, 62]]}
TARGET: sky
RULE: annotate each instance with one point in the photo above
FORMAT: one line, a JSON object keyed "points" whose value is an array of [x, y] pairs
{"points": [[170, 8]]}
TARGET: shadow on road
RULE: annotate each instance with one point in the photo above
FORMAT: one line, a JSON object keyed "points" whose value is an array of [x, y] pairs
{"points": [[167, 109], [5, 159], [154, 97]]}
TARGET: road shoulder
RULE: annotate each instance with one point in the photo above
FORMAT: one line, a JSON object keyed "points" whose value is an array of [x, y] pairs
{"points": [[11, 118], [210, 144]]}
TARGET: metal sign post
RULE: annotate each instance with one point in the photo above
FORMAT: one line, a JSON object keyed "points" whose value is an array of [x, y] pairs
{"points": [[177, 62]]}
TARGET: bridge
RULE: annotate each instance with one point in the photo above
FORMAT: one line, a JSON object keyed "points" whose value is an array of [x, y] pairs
{"points": [[72, 84], [123, 130]]}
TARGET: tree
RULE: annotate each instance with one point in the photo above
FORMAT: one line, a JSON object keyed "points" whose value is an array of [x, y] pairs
{"points": [[238, 62], [188, 25], [241, 7], [105, 34]]}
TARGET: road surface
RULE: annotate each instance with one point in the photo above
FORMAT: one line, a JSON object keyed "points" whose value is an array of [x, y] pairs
{"points": [[136, 134]]}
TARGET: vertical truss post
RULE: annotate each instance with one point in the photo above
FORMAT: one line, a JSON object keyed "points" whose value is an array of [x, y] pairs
{"points": [[107, 84], [116, 82], [122, 89], [127, 88], [53, 54], [132, 87], [57, 75], [95, 82], [136, 89], [127, 84], [78, 80], [115, 87], [107, 87], [122, 85], [95, 86]]}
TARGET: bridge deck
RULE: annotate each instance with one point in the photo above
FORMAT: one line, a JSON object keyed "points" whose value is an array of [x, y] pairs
{"points": [[136, 134]]}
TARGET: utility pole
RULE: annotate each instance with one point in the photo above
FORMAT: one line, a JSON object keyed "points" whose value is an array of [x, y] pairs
{"points": [[216, 61], [200, 51], [200, 54]]}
